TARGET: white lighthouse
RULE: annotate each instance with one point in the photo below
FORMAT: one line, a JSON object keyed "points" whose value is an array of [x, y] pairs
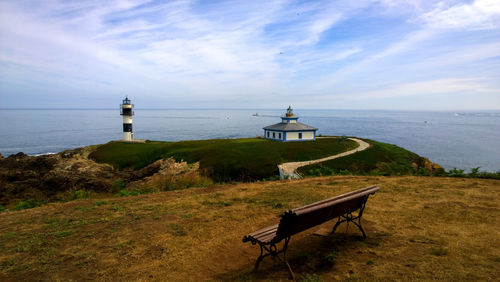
{"points": [[127, 111]]}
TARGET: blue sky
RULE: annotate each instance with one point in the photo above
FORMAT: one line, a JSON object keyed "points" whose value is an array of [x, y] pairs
{"points": [[388, 54]]}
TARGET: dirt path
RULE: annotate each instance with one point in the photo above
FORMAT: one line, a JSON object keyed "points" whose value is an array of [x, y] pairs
{"points": [[288, 170]]}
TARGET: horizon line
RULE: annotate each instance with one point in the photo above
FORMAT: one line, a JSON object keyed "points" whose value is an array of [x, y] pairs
{"points": [[228, 108]]}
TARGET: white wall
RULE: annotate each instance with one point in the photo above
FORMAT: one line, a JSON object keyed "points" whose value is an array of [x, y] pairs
{"points": [[277, 135], [307, 135], [127, 136], [127, 119], [292, 136]]}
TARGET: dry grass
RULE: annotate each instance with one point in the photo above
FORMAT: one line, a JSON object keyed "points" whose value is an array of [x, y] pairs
{"points": [[419, 228]]}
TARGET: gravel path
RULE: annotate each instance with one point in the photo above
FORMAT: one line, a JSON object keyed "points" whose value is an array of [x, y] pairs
{"points": [[288, 170]]}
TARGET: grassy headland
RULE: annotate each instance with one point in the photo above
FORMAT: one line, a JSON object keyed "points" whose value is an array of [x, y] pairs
{"points": [[254, 159], [222, 159], [418, 228], [379, 159]]}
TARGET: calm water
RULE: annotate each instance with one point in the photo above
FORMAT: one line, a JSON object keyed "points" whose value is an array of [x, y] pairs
{"points": [[462, 140]]}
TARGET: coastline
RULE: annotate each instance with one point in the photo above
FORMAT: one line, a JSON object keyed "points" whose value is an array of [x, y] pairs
{"points": [[464, 141]]}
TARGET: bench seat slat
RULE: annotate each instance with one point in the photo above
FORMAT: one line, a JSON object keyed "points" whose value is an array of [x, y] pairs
{"points": [[264, 235], [264, 231], [268, 238], [333, 200], [270, 232]]}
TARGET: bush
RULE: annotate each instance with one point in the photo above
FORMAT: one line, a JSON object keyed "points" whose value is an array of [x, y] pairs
{"points": [[454, 172], [28, 204], [80, 194], [474, 173], [118, 185], [490, 175]]}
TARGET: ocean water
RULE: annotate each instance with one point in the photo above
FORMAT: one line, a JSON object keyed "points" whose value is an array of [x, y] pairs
{"points": [[462, 139]]}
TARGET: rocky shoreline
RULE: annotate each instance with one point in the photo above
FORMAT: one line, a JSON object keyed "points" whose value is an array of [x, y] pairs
{"points": [[55, 177]]}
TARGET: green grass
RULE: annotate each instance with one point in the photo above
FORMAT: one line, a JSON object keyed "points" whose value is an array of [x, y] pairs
{"points": [[27, 204], [222, 159], [379, 159]]}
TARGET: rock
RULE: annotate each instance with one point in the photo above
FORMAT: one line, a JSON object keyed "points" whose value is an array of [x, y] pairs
{"points": [[433, 167], [50, 177], [166, 170], [51, 174]]}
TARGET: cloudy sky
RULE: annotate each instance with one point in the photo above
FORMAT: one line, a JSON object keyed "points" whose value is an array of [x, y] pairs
{"points": [[387, 54]]}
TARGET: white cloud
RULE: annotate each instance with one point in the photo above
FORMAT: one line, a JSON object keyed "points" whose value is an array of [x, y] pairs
{"points": [[235, 50], [478, 15]]}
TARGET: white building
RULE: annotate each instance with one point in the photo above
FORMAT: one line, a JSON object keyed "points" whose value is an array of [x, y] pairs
{"points": [[289, 129]]}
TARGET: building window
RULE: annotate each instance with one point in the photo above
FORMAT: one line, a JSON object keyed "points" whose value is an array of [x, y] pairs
{"points": [[274, 135], [267, 134], [300, 135], [279, 135]]}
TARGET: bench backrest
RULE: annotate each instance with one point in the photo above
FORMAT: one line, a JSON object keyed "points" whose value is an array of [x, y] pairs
{"points": [[302, 218]]}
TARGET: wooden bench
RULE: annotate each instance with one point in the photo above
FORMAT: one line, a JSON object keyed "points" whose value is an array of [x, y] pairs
{"points": [[302, 218]]}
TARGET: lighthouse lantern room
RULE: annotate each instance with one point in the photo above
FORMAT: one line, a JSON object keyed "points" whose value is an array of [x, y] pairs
{"points": [[127, 111]]}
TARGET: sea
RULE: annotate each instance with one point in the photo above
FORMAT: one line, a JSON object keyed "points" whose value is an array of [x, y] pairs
{"points": [[462, 140]]}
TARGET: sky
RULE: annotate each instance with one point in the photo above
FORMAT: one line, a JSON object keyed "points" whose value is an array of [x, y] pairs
{"points": [[387, 54]]}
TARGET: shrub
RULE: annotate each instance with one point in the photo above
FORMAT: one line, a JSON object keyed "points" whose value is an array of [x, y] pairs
{"points": [[28, 204], [80, 194], [474, 172], [118, 185], [491, 175], [454, 172]]}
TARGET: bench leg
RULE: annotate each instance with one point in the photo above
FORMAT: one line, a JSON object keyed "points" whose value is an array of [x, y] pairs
{"points": [[273, 251], [337, 225], [270, 250], [360, 228], [350, 218], [259, 259]]}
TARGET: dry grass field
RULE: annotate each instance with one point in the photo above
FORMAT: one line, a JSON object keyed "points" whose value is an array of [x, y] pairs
{"points": [[418, 228]]}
